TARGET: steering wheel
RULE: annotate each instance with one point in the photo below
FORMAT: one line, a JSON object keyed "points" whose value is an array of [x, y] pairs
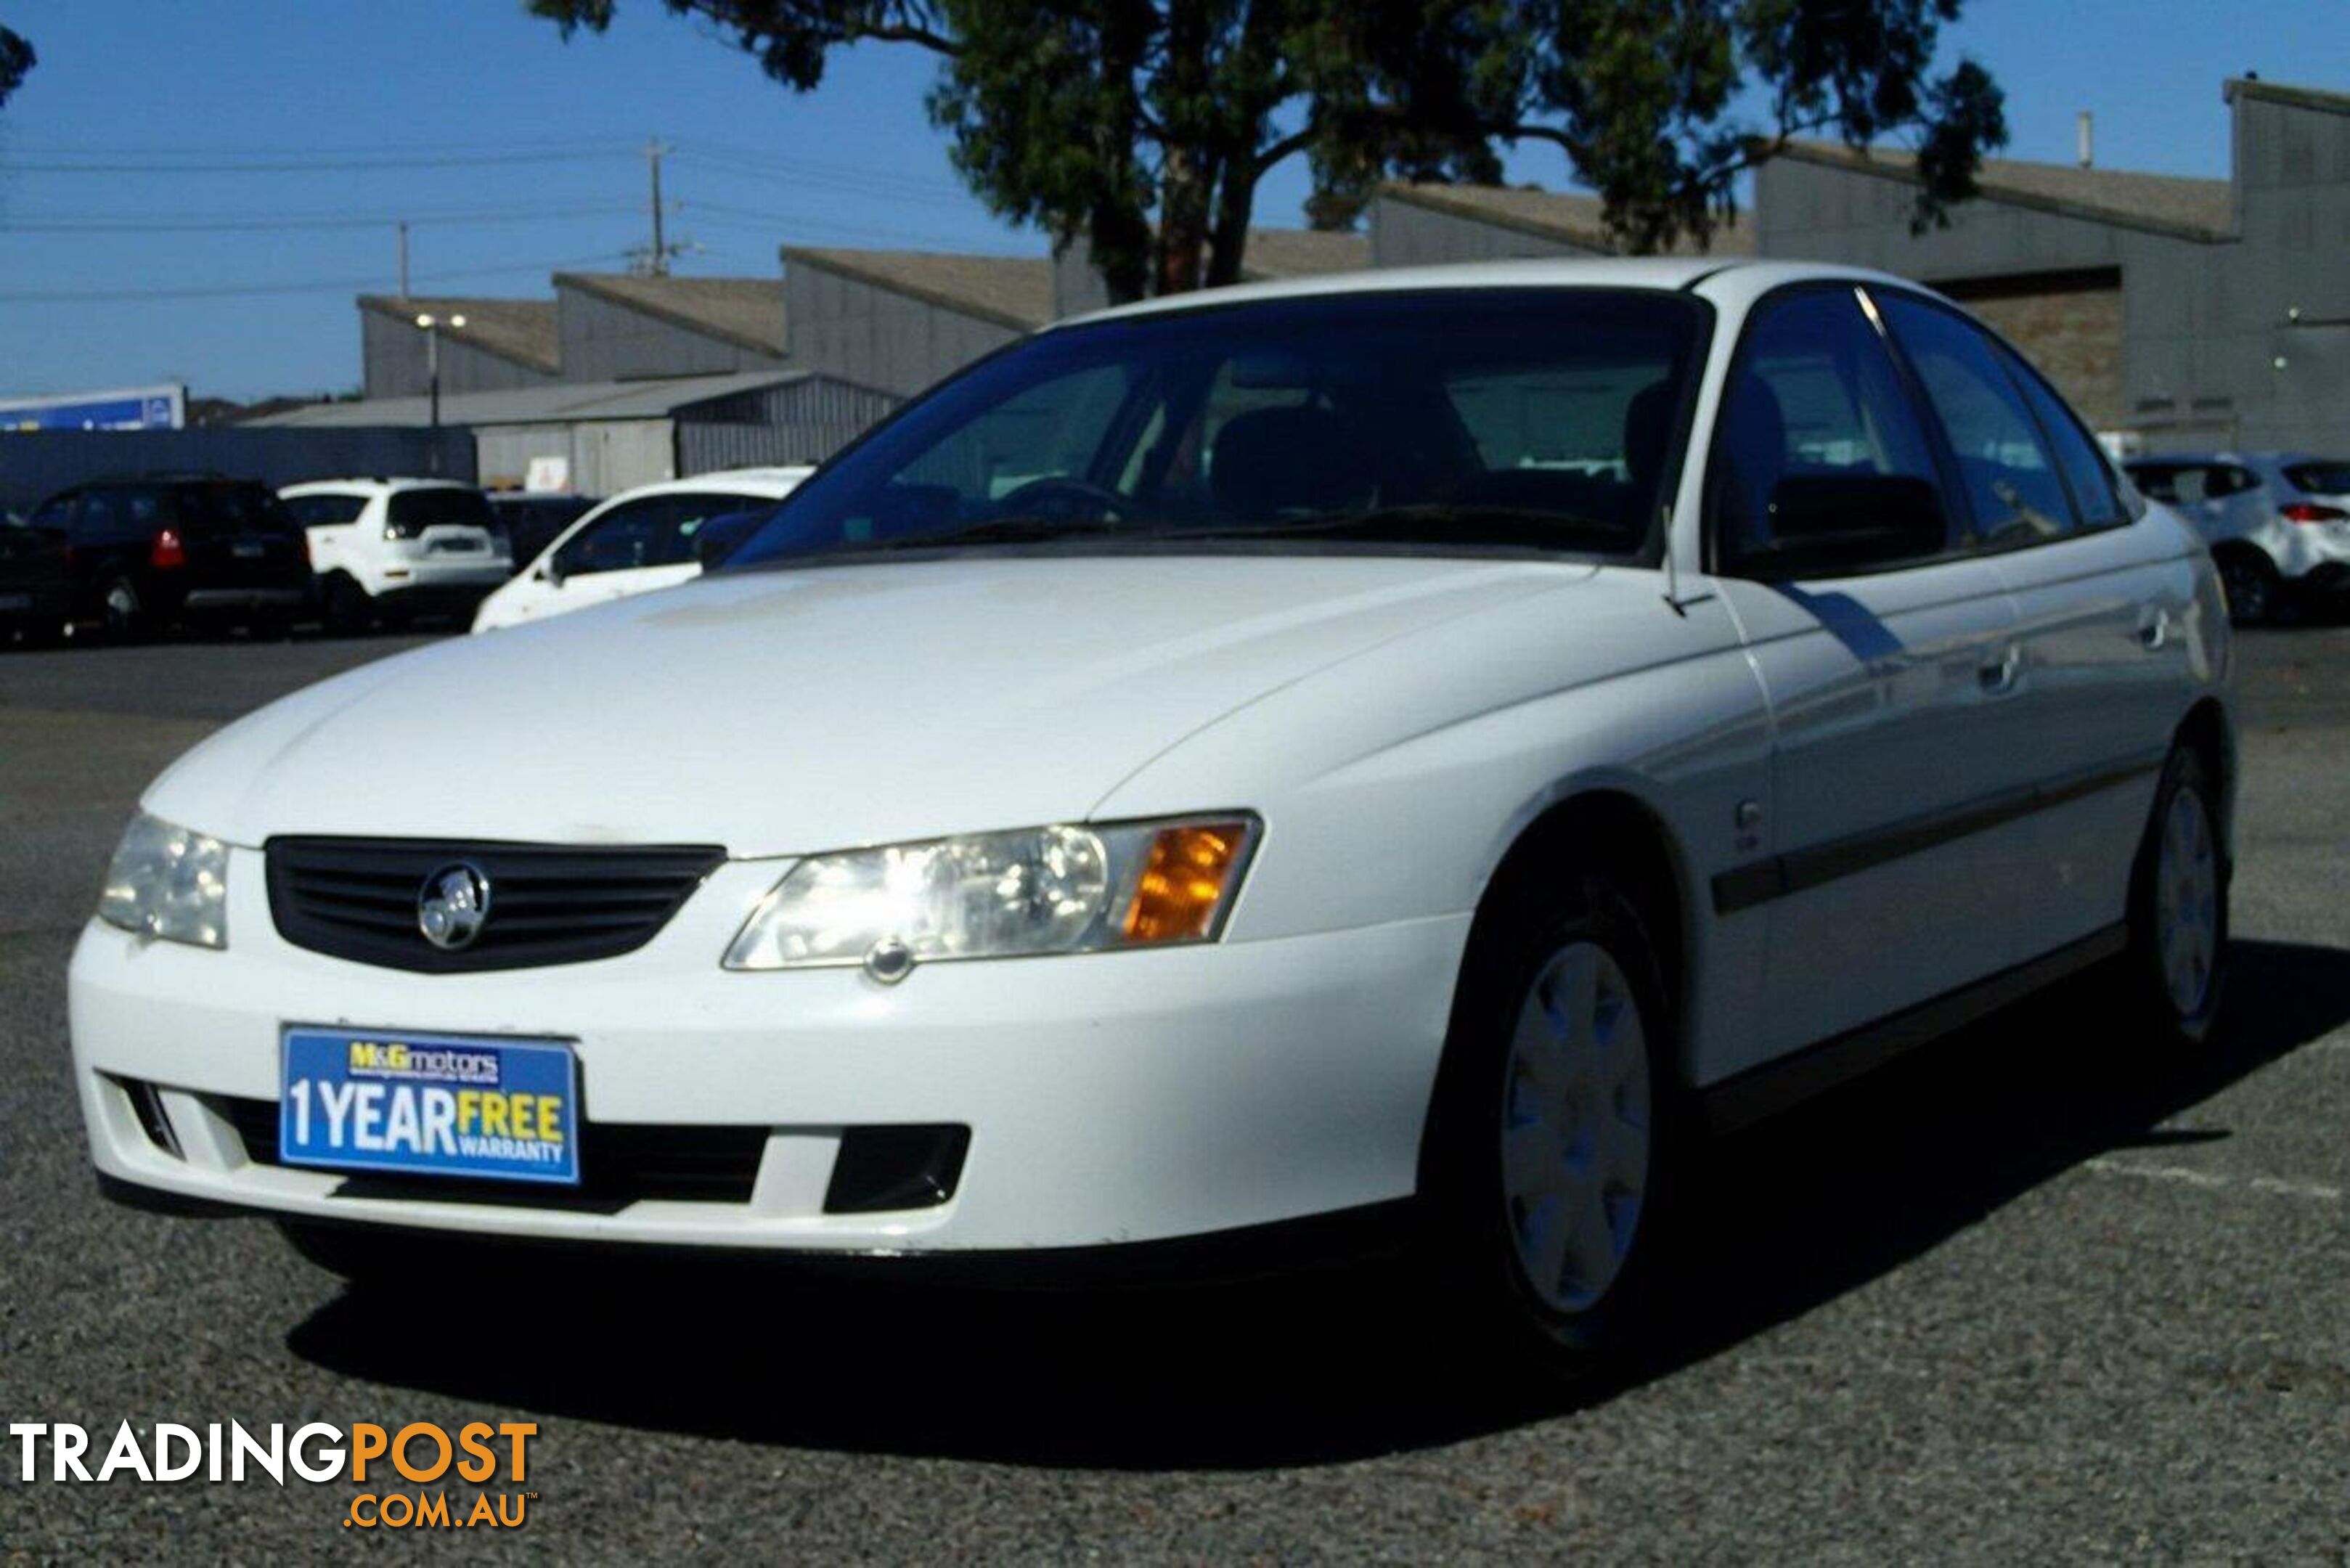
{"points": [[1058, 495]]}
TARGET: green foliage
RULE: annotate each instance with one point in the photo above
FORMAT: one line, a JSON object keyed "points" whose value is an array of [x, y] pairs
{"points": [[17, 59], [1142, 128]]}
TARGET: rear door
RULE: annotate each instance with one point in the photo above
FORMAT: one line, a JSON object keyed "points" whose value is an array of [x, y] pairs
{"points": [[2104, 616], [1887, 687]]}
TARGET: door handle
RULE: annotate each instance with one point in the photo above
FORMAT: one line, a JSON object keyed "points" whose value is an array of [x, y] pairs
{"points": [[2154, 628], [1998, 675]]}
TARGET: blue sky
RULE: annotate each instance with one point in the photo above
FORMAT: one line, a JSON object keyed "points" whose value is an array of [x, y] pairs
{"points": [[449, 112]]}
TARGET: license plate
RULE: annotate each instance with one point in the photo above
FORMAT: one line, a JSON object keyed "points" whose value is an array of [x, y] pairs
{"points": [[15, 602], [247, 550], [457, 546], [430, 1105]]}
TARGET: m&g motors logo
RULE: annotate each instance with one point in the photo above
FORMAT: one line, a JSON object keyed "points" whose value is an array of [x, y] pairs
{"points": [[479, 1454]]}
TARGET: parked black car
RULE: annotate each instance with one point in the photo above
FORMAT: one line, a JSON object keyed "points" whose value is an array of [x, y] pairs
{"points": [[36, 586], [531, 522], [147, 554]]}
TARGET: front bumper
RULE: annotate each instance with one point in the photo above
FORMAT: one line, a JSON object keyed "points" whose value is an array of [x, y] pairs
{"points": [[1110, 1098]]}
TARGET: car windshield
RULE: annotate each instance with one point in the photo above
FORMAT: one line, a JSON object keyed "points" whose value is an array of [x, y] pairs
{"points": [[2321, 478], [1467, 419]]}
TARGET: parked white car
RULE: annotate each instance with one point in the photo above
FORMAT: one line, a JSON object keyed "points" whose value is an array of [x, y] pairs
{"points": [[640, 540], [387, 549], [2278, 522], [1404, 753]]}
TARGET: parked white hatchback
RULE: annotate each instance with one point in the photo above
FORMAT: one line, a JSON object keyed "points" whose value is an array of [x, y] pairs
{"points": [[387, 549], [640, 540], [1408, 752]]}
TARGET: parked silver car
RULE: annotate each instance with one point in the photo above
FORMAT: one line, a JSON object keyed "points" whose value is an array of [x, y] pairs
{"points": [[2276, 520]]}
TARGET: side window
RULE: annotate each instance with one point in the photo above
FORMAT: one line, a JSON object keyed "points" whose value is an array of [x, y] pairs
{"points": [[694, 510], [629, 536], [1813, 394], [54, 512], [2077, 456], [100, 519], [2010, 479]]}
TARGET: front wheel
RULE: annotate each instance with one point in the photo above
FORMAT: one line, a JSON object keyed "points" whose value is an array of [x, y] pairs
{"points": [[1555, 1133], [2174, 976]]}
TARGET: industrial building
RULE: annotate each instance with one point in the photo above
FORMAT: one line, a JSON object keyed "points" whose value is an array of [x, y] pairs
{"points": [[2175, 313], [608, 436]]}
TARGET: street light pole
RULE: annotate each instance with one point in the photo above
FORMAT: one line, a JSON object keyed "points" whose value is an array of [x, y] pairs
{"points": [[430, 325]]}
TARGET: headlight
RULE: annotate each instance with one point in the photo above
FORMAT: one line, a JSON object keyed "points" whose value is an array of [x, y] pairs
{"points": [[168, 882], [1059, 890]]}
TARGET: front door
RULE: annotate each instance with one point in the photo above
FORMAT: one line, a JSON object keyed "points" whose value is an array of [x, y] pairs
{"points": [[1890, 691]]}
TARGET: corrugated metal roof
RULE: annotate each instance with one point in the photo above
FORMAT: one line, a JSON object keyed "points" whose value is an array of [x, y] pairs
{"points": [[1569, 217], [2169, 204], [745, 311], [522, 330], [1303, 253], [1016, 291], [658, 398]]}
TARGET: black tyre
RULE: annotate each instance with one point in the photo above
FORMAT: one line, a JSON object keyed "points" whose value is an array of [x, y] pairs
{"points": [[122, 611], [2174, 978], [346, 608], [1555, 1134], [2250, 580]]}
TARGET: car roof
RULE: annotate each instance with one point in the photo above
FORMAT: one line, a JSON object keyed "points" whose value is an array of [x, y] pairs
{"points": [[372, 484], [1722, 279], [773, 483]]}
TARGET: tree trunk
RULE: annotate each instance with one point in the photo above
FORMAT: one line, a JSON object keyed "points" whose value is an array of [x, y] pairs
{"points": [[1228, 245]]}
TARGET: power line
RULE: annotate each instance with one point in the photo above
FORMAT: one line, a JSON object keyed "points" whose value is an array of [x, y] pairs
{"points": [[132, 224], [136, 223], [321, 286], [304, 165]]}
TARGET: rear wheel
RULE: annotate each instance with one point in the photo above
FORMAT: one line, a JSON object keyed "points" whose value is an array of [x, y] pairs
{"points": [[2250, 580], [347, 608], [122, 611], [2174, 973], [1557, 1128]]}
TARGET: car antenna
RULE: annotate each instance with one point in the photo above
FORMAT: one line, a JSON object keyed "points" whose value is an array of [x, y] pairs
{"points": [[1673, 600]]}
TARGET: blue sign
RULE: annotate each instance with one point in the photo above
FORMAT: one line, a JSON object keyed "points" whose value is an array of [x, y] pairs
{"points": [[130, 408], [432, 1105]]}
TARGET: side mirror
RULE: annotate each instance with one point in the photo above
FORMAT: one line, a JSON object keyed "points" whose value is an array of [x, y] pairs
{"points": [[550, 572], [1824, 525], [714, 545]]}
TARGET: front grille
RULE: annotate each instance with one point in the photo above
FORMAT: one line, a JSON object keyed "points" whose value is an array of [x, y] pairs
{"points": [[357, 898], [620, 1163]]}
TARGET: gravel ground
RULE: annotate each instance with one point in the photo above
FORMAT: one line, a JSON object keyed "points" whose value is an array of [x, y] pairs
{"points": [[2017, 1297]]}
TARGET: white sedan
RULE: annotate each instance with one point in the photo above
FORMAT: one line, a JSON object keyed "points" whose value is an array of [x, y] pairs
{"points": [[1392, 757], [640, 540]]}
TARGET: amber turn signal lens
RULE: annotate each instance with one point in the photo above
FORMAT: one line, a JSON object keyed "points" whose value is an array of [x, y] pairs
{"points": [[1183, 880]]}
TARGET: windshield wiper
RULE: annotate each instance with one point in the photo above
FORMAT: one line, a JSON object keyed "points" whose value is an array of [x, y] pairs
{"points": [[1435, 523], [994, 531]]}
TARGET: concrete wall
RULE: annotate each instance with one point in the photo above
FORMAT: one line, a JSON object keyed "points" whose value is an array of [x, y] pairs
{"points": [[1405, 234], [844, 327], [2293, 179], [391, 356], [603, 341]]}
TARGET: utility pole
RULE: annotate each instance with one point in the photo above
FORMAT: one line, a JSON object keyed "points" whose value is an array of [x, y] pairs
{"points": [[403, 258], [657, 261]]}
